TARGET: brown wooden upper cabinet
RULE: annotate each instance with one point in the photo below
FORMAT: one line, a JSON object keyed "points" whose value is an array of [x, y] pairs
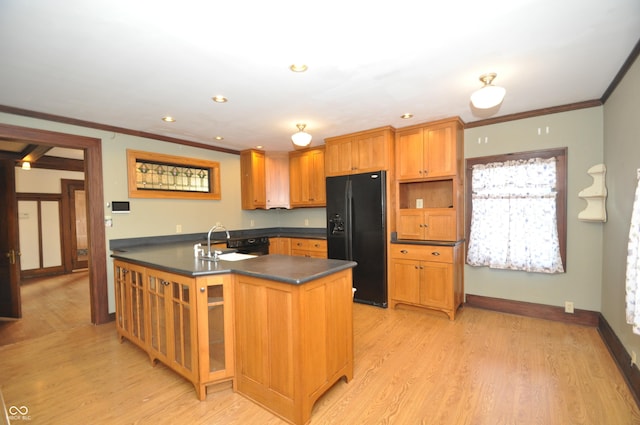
{"points": [[252, 180], [264, 179], [430, 181], [306, 178], [361, 152], [429, 150]]}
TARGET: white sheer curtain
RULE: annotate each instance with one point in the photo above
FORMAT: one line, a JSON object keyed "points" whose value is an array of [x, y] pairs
{"points": [[514, 223], [633, 266]]}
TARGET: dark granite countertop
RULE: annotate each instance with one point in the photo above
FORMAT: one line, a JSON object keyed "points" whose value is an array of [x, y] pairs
{"points": [[178, 258]]}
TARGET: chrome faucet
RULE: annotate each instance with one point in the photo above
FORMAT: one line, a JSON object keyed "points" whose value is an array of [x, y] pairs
{"points": [[217, 226]]}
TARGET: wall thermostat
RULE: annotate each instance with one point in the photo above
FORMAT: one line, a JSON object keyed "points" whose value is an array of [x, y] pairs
{"points": [[120, 207]]}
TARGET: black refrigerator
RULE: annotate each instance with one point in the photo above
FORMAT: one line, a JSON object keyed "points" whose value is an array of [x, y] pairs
{"points": [[357, 231]]}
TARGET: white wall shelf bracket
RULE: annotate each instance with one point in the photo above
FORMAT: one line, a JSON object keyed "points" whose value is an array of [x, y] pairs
{"points": [[595, 195]]}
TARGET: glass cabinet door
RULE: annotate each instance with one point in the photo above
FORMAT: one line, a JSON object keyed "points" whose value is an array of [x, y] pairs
{"points": [[157, 306], [215, 332], [216, 325], [130, 303], [182, 322]]}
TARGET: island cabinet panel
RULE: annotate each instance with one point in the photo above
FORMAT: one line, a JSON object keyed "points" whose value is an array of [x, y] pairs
{"points": [[184, 322], [293, 342]]}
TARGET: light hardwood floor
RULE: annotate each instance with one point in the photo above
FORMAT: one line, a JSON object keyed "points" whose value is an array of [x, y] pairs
{"points": [[485, 368], [49, 304]]}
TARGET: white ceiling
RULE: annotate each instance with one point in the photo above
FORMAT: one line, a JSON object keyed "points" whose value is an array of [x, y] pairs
{"points": [[127, 63]]}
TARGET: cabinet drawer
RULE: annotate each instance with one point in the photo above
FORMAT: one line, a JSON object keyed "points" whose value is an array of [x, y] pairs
{"points": [[319, 245], [441, 254]]}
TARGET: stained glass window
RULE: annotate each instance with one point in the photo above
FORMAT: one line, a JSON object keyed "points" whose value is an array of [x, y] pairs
{"points": [[154, 175]]}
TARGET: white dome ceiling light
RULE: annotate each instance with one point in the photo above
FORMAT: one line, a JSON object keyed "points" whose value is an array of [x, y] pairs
{"points": [[301, 138], [489, 95]]}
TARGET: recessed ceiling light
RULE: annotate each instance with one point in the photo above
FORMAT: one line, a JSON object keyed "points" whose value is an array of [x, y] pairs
{"points": [[298, 67], [168, 119], [259, 147], [219, 99], [406, 116], [219, 138]]}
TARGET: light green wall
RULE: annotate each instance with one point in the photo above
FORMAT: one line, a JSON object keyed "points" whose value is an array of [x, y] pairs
{"points": [[622, 157], [581, 131]]}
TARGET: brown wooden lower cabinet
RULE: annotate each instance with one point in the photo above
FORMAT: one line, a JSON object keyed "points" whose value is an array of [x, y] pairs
{"points": [[186, 323], [428, 276], [280, 246], [293, 342], [314, 248], [301, 247]]}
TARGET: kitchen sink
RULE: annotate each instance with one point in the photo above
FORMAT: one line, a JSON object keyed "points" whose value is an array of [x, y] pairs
{"points": [[234, 256]]}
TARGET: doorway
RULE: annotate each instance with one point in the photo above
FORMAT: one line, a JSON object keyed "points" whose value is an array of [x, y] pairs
{"points": [[74, 226], [9, 283]]}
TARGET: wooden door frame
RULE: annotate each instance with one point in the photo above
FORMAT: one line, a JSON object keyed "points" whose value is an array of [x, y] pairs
{"points": [[10, 300], [68, 222], [92, 147]]}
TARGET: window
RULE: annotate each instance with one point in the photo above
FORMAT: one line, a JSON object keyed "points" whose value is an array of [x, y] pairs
{"points": [[154, 175], [516, 211]]}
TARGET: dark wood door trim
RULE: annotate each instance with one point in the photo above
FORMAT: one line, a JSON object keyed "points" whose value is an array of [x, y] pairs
{"points": [[10, 304], [69, 216], [95, 210]]}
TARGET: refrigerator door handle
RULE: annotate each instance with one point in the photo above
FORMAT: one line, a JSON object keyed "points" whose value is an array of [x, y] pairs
{"points": [[349, 219]]}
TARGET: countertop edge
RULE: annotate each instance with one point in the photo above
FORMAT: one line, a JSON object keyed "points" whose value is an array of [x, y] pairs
{"points": [[431, 243], [236, 267]]}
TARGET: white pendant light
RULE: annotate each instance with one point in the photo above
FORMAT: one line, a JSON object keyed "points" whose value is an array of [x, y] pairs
{"points": [[489, 95], [301, 138]]}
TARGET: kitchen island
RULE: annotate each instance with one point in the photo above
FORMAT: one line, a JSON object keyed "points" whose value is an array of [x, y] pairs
{"points": [[279, 327]]}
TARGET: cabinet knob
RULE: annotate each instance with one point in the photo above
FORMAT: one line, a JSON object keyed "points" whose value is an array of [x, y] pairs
{"points": [[202, 290], [164, 282], [436, 253], [404, 251]]}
